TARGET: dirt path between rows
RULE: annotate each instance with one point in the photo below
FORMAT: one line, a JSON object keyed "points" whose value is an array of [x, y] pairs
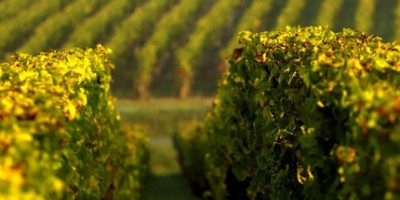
{"points": [[160, 119], [166, 181]]}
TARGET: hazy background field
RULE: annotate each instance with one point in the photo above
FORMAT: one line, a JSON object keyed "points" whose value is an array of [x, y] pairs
{"points": [[153, 39]]}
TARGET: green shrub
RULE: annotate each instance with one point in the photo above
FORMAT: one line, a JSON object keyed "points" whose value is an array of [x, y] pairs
{"points": [[60, 135], [306, 113]]}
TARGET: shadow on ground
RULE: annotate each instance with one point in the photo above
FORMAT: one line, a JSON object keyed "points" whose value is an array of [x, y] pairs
{"points": [[167, 187], [166, 181]]}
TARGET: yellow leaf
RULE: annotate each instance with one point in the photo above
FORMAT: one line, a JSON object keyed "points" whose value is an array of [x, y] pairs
{"points": [[6, 105], [58, 184], [320, 104], [381, 63], [70, 111]]}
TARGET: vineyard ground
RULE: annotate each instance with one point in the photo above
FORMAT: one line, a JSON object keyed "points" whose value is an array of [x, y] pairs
{"points": [[160, 118]]}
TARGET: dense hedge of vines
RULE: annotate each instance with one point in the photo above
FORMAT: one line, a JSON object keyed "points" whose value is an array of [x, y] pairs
{"points": [[60, 135], [305, 113]]}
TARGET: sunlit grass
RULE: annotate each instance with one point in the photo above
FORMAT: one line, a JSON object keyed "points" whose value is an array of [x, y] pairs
{"points": [[163, 116]]}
